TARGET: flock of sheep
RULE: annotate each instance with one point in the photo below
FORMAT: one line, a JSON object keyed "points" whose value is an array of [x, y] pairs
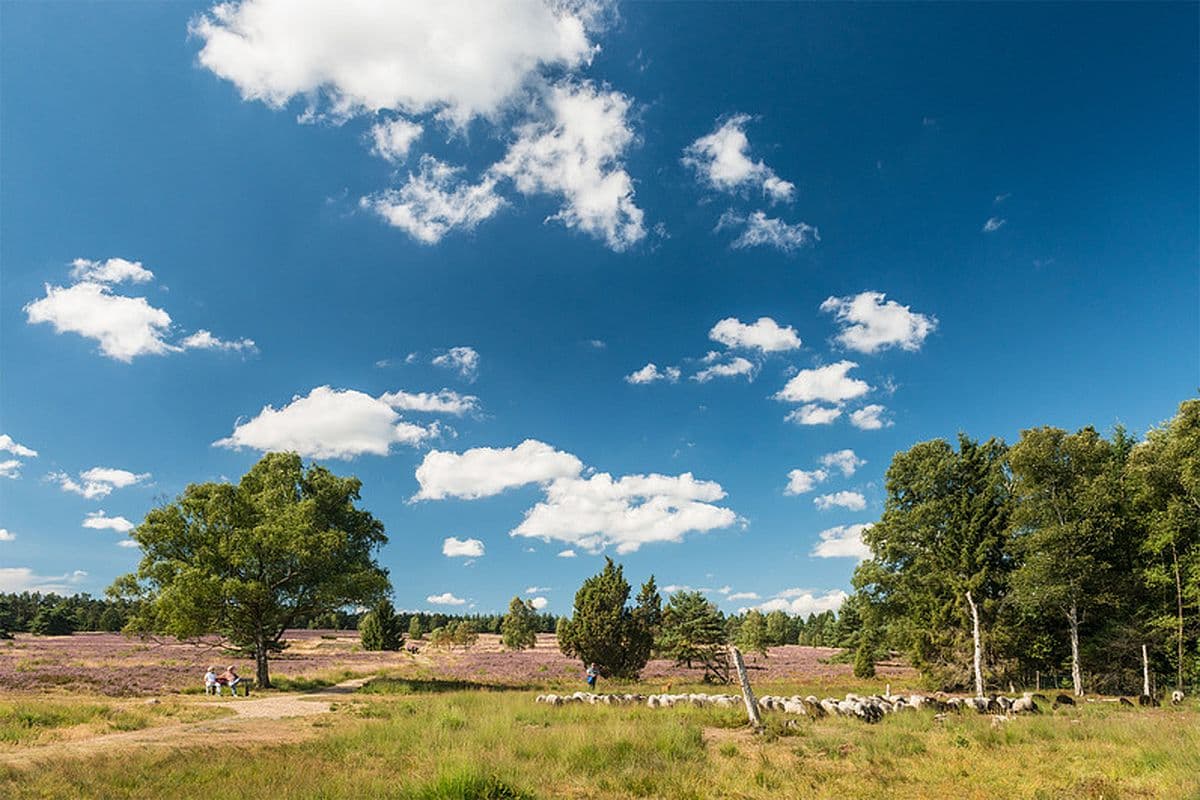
{"points": [[868, 708]]}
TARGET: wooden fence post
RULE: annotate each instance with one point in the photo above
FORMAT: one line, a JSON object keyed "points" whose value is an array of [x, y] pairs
{"points": [[1145, 672], [747, 692]]}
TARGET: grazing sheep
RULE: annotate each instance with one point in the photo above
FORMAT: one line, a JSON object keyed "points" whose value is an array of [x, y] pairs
{"points": [[1147, 700], [1125, 701], [1064, 700], [1176, 697], [794, 706], [1024, 705]]}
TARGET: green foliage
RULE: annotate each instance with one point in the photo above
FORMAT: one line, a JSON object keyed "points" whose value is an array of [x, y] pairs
{"points": [[415, 629], [56, 620], [693, 632], [864, 660], [518, 631], [944, 532], [752, 633], [247, 561], [380, 628], [464, 634], [779, 628], [603, 630]]}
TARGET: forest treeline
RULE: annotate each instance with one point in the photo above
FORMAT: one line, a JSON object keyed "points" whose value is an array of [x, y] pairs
{"points": [[1066, 552]]}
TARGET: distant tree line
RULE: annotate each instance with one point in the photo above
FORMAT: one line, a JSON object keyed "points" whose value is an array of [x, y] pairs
{"points": [[56, 615], [1053, 559]]}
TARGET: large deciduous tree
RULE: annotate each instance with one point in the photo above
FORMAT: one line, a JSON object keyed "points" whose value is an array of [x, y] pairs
{"points": [[518, 630], [1071, 525], [246, 561], [939, 565], [1165, 476]]}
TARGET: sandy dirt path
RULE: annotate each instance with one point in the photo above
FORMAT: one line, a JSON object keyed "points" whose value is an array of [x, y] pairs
{"points": [[274, 719]]}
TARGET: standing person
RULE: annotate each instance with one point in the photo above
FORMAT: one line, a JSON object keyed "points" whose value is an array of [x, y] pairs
{"points": [[231, 679], [592, 674]]}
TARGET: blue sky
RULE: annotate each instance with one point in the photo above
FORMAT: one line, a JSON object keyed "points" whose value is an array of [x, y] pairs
{"points": [[990, 210]]}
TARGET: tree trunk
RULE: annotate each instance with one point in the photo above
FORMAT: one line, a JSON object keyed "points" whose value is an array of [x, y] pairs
{"points": [[978, 648], [262, 674], [1076, 673], [1145, 672], [1179, 619]]}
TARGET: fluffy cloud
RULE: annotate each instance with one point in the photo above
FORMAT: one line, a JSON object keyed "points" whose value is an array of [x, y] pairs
{"points": [[112, 270], [844, 460], [802, 602], [575, 153], [813, 414], [98, 520], [736, 596], [10, 468], [829, 384], [536, 589], [800, 481], [765, 335], [871, 323], [759, 230], [721, 160], [463, 360], [445, 599], [851, 500], [462, 548], [329, 423], [628, 512], [23, 579], [843, 541], [435, 201], [730, 369], [456, 58], [125, 327], [589, 513], [6, 535], [539, 603], [7, 445], [651, 373], [203, 340], [127, 543], [486, 471], [443, 402], [98, 481], [870, 418], [993, 224], [391, 139]]}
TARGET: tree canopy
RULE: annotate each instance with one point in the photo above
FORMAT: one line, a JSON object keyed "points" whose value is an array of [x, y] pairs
{"points": [[604, 630], [246, 561]]}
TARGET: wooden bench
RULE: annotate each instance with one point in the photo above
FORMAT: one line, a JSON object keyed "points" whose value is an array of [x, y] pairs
{"points": [[244, 682]]}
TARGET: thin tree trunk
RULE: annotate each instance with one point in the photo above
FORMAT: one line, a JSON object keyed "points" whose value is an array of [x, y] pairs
{"points": [[1076, 673], [978, 647], [262, 674], [735, 655], [1179, 619], [1145, 672]]}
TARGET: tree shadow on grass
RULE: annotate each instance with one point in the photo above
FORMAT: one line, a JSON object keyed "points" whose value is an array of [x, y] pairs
{"points": [[434, 686]]}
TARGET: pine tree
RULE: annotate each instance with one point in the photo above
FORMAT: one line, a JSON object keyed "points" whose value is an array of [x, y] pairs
{"points": [[602, 629]]}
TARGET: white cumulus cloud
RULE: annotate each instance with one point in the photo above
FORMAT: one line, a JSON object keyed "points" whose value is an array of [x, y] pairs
{"points": [[443, 402], [759, 230], [98, 481], [454, 547], [736, 596], [843, 541], [100, 521], [801, 481], [765, 334], [844, 460], [651, 373], [813, 414], [463, 360], [844, 499], [539, 603], [391, 139], [721, 160], [329, 423], [802, 602], [568, 553], [871, 323], [435, 201], [24, 579], [486, 471], [575, 152], [829, 384], [729, 369], [7, 445], [993, 224], [870, 418], [7, 535], [457, 58], [112, 270], [445, 599]]}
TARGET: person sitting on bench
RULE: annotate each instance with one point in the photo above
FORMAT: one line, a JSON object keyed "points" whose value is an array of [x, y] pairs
{"points": [[229, 678], [211, 684]]}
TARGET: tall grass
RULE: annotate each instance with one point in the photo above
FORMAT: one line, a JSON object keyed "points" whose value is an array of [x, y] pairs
{"points": [[413, 742]]}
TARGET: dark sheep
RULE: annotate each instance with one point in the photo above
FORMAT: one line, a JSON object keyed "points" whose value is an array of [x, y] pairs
{"points": [[1064, 700]]}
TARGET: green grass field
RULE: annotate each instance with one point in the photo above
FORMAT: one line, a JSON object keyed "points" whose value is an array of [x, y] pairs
{"points": [[414, 738]]}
